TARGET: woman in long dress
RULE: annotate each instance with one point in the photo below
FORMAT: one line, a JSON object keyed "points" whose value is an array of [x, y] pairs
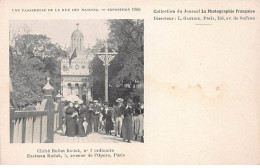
{"points": [[109, 122], [127, 127], [70, 120], [80, 120], [136, 121], [141, 119], [89, 119]]}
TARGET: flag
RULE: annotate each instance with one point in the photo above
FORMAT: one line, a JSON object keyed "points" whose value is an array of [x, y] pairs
{"points": [[73, 55]]}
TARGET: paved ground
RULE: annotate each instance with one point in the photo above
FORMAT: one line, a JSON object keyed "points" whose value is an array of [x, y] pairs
{"points": [[100, 137]]}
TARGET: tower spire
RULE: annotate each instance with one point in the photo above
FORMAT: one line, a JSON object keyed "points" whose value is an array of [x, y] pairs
{"points": [[77, 26]]}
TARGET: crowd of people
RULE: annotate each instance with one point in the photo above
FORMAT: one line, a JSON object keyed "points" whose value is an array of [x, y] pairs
{"points": [[126, 119]]}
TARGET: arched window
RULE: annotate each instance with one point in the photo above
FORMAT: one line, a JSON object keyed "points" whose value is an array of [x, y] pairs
{"points": [[80, 45], [84, 85], [77, 89], [84, 88], [69, 88]]}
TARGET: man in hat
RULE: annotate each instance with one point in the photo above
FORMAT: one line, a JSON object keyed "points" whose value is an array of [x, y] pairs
{"points": [[127, 127], [97, 111], [118, 116]]}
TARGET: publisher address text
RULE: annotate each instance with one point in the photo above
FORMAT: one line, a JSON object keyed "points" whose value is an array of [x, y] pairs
{"points": [[76, 153]]}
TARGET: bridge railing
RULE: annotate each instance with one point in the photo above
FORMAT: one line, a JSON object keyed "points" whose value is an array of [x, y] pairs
{"points": [[58, 115], [29, 126], [37, 126]]}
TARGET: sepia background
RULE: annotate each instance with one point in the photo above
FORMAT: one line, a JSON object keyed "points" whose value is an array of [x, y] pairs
{"points": [[201, 86]]}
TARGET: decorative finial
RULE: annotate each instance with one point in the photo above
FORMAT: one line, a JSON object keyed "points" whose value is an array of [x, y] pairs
{"points": [[48, 85], [59, 94], [77, 25]]}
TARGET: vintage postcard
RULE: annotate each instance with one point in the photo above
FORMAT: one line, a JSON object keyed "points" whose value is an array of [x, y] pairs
{"points": [[130, 83]]}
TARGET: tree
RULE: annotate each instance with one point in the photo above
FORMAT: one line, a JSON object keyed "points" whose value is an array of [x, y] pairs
{"points": [[32, 59], [126, 37]]}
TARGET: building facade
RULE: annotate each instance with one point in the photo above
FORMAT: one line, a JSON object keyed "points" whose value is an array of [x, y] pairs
{"points": [[75, 74]]}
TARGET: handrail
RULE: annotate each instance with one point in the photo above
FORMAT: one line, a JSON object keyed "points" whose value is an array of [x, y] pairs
{"points": [[28, 111], [26, 114]]}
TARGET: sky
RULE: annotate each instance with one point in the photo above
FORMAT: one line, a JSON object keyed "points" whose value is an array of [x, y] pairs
{"points": [[60, 30]]}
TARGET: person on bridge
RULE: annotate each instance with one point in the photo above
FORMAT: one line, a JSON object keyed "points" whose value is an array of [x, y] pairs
{"points": [[81, 119], [76, 106], [141, 118], [97, 111], [118, 116], [70, 120], [101, 125], [127, 127], [89, 119], [107, 118], [138, 121], [66, 103]]}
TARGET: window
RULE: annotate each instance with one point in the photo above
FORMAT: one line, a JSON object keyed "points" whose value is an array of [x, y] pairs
{"points": [[80, 45], [69, 88]]}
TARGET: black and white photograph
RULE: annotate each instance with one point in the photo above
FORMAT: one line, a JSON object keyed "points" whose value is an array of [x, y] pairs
{"points": [[76, 81]]}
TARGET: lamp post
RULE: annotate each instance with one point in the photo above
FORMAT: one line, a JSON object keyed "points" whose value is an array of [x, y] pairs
{"points": [[106, 57]]}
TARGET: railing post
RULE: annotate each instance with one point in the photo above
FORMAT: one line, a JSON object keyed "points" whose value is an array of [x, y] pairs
{"points": [[60, 107], [50, 108], [24, 129], [12, 122], [13, 107]]}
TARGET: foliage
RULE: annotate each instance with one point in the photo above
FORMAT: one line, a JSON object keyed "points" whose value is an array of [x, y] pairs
{"points": [[127, 68], [32, 59], [127, 36]]}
